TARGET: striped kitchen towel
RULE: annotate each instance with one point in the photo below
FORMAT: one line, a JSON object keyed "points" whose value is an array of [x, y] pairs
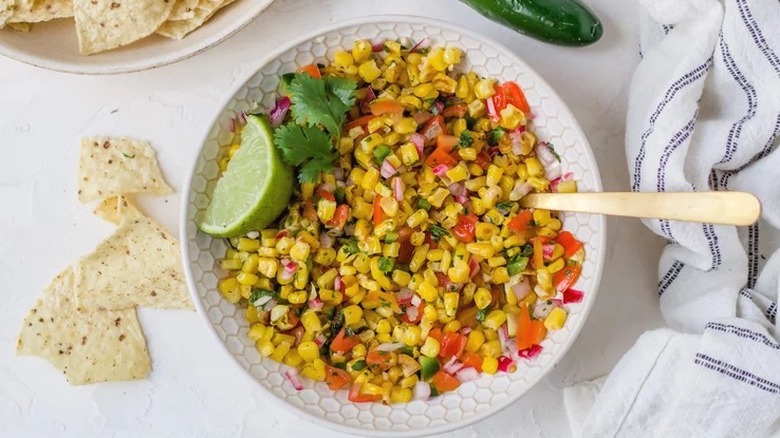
{"points": [[704, 114]]}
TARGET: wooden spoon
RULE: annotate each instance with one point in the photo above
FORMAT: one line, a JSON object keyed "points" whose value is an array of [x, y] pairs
{"points": [[727, 208]]}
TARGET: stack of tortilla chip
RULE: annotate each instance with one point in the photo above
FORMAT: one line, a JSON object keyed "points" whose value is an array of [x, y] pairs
{"points": [[85, 321], [107, 24]]}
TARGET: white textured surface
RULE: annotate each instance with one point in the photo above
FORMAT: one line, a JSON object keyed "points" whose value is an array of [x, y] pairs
{"points": [[195, 389], [473, 400]]}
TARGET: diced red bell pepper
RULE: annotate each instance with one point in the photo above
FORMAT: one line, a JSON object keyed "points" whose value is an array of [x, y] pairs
{"points": [[444, 382], [447, 142], [440, 156], [458, 111], [381, 359], [325, 194], [360, 121], [452, 344], [569, 243], [514, 94], [465, 227], [343, 343], [472, 360], [386, 106], [483, 160], [529, 331], [567, 277], [341, 217], [336, 378], [499, 99], [356, 397], [379, 214], [521, 222], [312, 70], [572, 296]]}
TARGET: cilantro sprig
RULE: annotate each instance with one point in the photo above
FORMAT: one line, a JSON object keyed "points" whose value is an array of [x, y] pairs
{"points": [[319, 109]]}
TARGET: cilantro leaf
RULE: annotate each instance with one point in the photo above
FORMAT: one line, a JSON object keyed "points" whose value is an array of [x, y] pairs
{"points": [[437, 232], [465, 140], [310, 171], [321, 101], [299, 143], [350, 246], [505, 207], [554, 152], [494, 136]]}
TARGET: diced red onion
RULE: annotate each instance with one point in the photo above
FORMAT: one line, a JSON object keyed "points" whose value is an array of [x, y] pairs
{"points": [[452, 366], [422, 391], [270, 304], [542, 309], [283, 233], [412, 312], [517, 141], [547, 250], [503, 336], [328, 187], [491, 110], [365, 104], [326, 241], [473, 267], [572, 296], [253, 234], [462, 199], [467, 374], [465, 330], [530, 352], [417, 46], [350, 229], [568, 176], [390, 346], [404, 296], [289, 265], [506, 364], [520, 189], [421, 117], [457, 189], [419, 143], [416, 300], [552, 168], [378, 47], [320, 340], [294, 378], [522, 288], [297, 332], [557, 302], [338, 283], [387, 169], [316, 304], [338, 173], [439, 105], [398, 188], [279, 111], [441, 169]]}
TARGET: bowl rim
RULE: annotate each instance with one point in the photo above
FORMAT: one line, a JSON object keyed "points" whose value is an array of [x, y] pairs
{"points": [[184, 222], [161, 60]]}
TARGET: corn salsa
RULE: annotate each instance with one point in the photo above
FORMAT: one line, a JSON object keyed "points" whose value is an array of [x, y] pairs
{"points": [[409, 267]]}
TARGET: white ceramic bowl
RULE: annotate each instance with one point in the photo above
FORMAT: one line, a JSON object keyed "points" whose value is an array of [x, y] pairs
{"points": [[473, 401], [54, 46]]}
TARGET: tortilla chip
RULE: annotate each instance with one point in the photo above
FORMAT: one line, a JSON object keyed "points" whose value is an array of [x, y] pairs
{"points": [[139, 265], [183, 10], [42, 10], [21, 27], [111, 167], [88, 347], [106, 24], [117, 208], [203, 12]]}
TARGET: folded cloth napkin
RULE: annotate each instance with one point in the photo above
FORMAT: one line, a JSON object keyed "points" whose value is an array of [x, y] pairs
{"points": [[704, 114]]}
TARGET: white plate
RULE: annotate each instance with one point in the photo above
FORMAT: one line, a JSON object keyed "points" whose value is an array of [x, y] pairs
{"points": [[54, 46], [473, 401]]}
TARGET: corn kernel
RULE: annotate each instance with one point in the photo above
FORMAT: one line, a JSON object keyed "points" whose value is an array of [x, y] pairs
{"points": [[459, 272], [342, 58], [481, 250], [427, 291], [500, 275], [451, 303], [249, 245], [511, 118], [567, 187], [430, 348], [352, 314], [489, 365], [298, 297], [494, 319], [361, 50], [458, 173], [411, 336], [430, 314], [370, 179], [482, 298], [247, 278], [406, 125], [308, 351], [484, 88], [490, 349], [534, 166]]}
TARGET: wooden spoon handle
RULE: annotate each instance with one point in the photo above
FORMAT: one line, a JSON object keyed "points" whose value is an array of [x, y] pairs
{"points": [[728, 208]]}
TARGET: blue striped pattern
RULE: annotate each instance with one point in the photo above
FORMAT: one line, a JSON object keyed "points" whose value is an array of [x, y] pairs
{"points": [[736, 373]]}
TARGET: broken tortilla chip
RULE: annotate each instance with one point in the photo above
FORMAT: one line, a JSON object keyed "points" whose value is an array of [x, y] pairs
{"points": [[88, 347], [139, 265], [42, 10], [106, 24], [117, 208], [183, 10], [111, 167], [203, 12]]}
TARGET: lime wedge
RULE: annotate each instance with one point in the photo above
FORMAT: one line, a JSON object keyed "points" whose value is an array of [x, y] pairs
{"points": [[254, 190]]}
